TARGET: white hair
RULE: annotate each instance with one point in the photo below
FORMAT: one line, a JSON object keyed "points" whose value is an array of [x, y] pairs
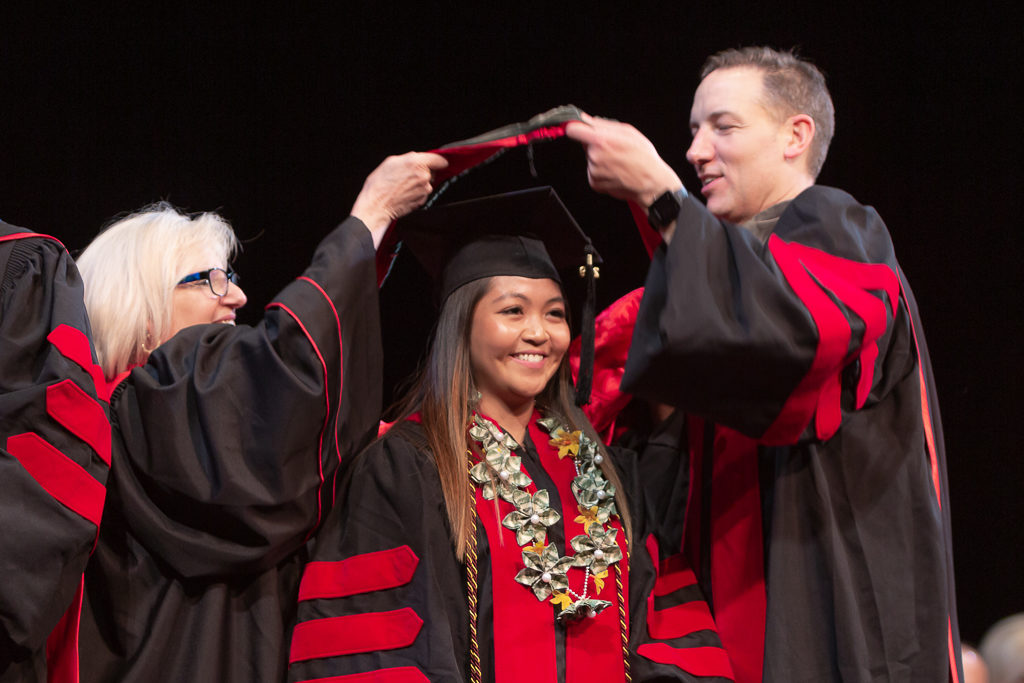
{"points": [[130, 270], [1003, 649]]}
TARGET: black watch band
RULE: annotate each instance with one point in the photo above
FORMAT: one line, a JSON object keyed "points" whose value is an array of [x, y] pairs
{"points": [[665, 209]]}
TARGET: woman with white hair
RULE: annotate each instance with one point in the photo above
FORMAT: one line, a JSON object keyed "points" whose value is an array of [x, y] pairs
{"points": [[138, 296], [226, 438]]}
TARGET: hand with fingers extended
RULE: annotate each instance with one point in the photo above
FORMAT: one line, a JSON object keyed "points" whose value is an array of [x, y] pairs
{"points": [[395, 188], [621, 162]]}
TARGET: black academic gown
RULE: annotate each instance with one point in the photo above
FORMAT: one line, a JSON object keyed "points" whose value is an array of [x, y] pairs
{"points": [[226, 445], [54, 453], [386, 598], [814, 427]]}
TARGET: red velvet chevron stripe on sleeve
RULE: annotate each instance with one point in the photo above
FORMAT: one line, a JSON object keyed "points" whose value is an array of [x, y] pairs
{"points": [[68, 404], [818, 278], [359, 574], [399, 674], [699, 661], [74, 345], [59, 475], [679, 621], [352, 634]]}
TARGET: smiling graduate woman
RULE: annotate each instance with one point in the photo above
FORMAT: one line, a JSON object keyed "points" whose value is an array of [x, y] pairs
{"points": [[489, 535], [226, 438]]}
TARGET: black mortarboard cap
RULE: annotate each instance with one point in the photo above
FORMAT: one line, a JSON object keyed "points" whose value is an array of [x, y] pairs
{"points": [[528, 233]]}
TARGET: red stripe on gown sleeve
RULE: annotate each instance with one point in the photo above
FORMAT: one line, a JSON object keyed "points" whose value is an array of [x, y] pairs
{"points": [[673, 574], [678, 621], [59, 475], [814, 275], [341, 374], [401, 674], [681, 620], [327, 410], [852, 282], [74, 345], [69, 405], [352, 634], [359, 574], [699, 661], [820, 389]]}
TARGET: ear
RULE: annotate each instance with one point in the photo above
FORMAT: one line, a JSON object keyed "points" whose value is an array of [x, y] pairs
{"points": [[799, 132]]}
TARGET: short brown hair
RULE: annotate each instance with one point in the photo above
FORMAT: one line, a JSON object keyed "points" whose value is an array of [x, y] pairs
{"points": [[792, 86]]}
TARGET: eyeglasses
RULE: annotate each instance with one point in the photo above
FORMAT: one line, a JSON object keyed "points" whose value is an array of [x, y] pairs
{"points": [[216, 278]]}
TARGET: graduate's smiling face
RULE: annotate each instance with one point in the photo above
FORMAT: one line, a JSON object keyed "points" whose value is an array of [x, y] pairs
{"points": [[194, 303], [518, 337], [739, 145]]}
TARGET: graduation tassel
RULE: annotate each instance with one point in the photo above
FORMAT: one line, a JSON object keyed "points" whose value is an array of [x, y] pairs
{"points": [[585, 380]]}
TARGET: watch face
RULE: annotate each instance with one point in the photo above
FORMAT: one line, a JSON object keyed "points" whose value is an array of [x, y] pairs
{"points": [[664, 210]]}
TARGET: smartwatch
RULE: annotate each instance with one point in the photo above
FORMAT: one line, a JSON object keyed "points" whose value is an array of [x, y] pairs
{"points": [[665, 209]]}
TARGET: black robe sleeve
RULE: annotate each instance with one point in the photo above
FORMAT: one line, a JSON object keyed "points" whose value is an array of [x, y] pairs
{"points": [[756, 336], [385, 593], [54, 446], [232, 436]]}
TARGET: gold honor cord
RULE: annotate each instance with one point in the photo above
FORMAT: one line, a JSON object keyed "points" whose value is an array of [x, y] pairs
{"points": [[623, 622], [475, 674]]}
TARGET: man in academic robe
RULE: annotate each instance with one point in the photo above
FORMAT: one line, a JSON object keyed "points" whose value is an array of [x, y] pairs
{"points": [[777, 317], [54, 454]]}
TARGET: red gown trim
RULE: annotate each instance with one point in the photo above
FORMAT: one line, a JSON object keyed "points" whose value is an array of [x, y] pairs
{"points": [[737, 553], [593, 647], [341, 375], [929, 438], [68, 404], [681, 620], [62, 643], [819, 391], [400, 674], [27, 235], [699, 661], [74, 345], [358, 574], [673, 574], [814, 275], [356, 633], [527, 625], [63, 478], [678, 621], [327, 411]]}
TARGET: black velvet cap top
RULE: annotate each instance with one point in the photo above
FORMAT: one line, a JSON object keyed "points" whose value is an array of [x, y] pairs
{"points": [[528, 233]]}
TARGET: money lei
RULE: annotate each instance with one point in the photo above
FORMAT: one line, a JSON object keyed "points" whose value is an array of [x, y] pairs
{"points": [[546, 570]]}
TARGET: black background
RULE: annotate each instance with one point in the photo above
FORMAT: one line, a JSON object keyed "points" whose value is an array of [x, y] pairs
{"points": [[274, 116]]}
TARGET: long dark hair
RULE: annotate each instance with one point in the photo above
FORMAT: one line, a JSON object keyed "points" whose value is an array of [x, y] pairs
{"points": [[441, 395]]}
